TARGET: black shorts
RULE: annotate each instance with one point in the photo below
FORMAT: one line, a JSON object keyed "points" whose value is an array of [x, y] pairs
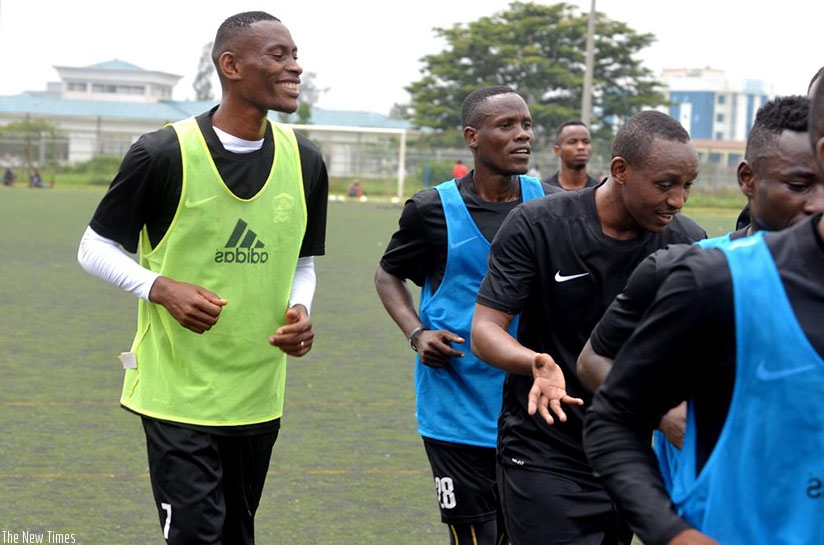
{"points": [[464, 481], [549, 508], [207, 487]]}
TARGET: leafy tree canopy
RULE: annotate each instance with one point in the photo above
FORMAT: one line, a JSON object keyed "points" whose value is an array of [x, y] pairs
{"points": [[540, 51], [203, 78], [29, 128]]}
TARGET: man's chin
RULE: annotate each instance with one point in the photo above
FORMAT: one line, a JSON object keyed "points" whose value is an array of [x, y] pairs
{"points": [[285, 107]]}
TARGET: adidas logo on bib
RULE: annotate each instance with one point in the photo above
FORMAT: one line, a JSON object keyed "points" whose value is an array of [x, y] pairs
{"points": [[243, 246]]}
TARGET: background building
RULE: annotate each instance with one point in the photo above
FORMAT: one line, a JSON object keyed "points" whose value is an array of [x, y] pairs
{"points": [[712, 107], [102, 109], [717, 111]]}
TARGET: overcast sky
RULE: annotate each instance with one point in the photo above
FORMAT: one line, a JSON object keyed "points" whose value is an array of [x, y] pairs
{"points": [[367, 51]]}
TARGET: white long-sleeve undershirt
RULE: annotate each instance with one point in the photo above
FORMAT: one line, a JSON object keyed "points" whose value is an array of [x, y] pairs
{"points": [[105, 259]]}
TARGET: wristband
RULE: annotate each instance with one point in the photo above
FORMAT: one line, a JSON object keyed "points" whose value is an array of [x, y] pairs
{"points": [[411, 337]]}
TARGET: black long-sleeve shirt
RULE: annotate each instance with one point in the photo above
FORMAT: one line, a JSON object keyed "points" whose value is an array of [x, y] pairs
{"points": [[685, 349]]}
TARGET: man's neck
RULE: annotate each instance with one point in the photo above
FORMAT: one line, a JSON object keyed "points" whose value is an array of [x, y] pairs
{"points": [[569, 178], [497, 188], [616, 222], [244, 123]]}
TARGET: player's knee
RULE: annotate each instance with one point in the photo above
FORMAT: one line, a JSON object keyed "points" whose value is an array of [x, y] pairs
{"points": [[182, 526], [480, 533]]}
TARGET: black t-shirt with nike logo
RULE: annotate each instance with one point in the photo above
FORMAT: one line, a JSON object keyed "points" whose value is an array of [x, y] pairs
{"points": [[552, 264]]}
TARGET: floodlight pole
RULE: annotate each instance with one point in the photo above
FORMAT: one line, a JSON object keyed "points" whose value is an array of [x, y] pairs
{"points": [[586, 96]]}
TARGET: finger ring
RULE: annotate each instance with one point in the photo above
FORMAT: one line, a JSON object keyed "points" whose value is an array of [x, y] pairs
{"points": [[302, 343]]}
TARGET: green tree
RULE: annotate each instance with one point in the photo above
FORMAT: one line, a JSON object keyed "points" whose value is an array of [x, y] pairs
{"points": [[540, 51], [205, 70], [38, 140]]}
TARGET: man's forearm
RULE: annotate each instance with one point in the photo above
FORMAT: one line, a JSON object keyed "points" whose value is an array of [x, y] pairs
{"points": [[103, 258]]}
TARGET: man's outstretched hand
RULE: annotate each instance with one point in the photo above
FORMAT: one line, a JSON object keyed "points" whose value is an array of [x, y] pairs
{"points": [[549, 390]]}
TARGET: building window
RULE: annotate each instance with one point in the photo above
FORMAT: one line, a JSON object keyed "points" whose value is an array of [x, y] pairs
{"points": [[719, 135], [719, 118], [722, 99], [119, 89], [100, 88], [733, 159], [77, 86], [715, 158]]}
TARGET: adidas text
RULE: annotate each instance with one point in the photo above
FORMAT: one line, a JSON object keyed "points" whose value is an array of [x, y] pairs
{"points": [[241, 255]]}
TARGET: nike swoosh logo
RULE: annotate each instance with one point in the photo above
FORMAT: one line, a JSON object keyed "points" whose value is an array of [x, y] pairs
{"points": [[560, 278], [462, 242], [192, 204], [768, 375]]}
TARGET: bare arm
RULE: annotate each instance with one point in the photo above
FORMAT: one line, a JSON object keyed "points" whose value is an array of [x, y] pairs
{"points": [[692, 537], [433, 347], [492, 343], [593, 368]]}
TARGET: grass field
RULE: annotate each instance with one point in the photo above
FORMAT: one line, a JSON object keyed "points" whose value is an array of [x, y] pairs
{"points": [[348, 467]]}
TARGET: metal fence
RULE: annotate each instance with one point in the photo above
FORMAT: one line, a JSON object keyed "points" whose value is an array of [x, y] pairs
{"points": [[360, 156]]}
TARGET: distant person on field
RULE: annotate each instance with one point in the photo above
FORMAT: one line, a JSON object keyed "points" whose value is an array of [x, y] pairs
{"points": [[737, 332], [355, 190], [573, 147], [225, 211], [459, 170], [534, 171], [35, 180], [442, 245], [9, 177]]}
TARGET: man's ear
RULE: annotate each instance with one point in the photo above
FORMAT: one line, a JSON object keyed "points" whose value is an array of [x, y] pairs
{"points": [[557, 150], [471, 137], [619, 169], [746, 179], [229, 65], [819, 150]]}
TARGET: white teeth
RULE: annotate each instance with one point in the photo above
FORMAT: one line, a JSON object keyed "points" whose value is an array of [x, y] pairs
{"points": [[291, 86]]}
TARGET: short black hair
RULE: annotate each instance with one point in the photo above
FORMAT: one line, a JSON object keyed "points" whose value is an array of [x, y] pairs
{"points": [[565, 124], [470, 109], [634, 138], [787, 113], [816, 120], [232, 27], [815, 77]]}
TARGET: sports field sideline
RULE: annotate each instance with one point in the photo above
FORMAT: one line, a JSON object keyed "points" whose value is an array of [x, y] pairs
{"points": [[348, 466]]}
